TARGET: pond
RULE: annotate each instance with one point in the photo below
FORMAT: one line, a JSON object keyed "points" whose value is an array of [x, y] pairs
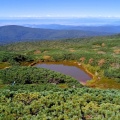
{"points": [[67, 69]]}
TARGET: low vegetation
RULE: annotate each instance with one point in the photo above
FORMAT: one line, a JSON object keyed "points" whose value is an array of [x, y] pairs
{"points": [[59, 104], [33, 75], [34, 93], [96, 54]]}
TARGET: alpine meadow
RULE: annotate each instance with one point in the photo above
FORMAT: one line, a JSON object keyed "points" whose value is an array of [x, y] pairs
{"points": [[60, 60]]}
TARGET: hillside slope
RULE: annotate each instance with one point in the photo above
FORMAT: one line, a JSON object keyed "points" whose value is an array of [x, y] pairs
{"points": [[13, 33]]}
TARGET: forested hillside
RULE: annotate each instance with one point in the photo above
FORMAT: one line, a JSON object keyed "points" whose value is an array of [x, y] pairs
{"points": [[14, 33]]}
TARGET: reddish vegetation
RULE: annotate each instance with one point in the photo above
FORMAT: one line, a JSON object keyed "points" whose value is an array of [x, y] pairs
{"points": [[91, 60], [101, 62], [117, 51], [37, 52], [82, 59]]}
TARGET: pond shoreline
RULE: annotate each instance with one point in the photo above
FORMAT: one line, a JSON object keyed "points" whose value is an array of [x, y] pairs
{"points": [[68, 63]]}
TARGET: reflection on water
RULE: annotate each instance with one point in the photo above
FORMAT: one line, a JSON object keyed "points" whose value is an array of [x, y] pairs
{"points": [[72, 71]]}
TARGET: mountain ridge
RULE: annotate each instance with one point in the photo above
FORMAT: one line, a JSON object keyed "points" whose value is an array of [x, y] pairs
{"points": [[15, 33], [104, 28]]}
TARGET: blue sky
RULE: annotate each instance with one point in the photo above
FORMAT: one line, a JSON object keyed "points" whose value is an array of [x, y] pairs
{"points": [[59, 8]]}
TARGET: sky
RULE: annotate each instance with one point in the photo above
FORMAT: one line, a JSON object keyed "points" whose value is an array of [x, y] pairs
{"points": [[59, 8]]}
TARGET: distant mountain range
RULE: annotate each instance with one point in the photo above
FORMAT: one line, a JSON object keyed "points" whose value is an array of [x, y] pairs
{"points": [[14, 33], [101, 29]]}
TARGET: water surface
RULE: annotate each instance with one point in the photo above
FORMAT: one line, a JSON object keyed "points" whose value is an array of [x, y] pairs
{"points": [[72, 71]]}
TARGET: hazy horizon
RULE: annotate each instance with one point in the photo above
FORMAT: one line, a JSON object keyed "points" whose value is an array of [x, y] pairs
{"points": [[85, 21], [63, 12]]}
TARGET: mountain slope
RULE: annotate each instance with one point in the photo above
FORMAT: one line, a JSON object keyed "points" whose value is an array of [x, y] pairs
{"points": [[13, 33]]}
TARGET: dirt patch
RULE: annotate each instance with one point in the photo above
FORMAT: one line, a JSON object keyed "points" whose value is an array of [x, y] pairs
{"points": [[82, 59], [91, 60], [101, 62], [101, 52], [46, 57], [117, 51], [37, 52], [103, 45], [71, 50], [115, 65]]}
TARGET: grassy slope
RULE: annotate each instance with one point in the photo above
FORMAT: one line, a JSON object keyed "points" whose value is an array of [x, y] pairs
{"points": [[100, 55], [48, 101]]}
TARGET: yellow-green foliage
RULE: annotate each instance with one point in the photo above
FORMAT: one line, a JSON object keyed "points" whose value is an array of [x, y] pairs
{"points": [[32, 98], [4, 65], [67, 104]]}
